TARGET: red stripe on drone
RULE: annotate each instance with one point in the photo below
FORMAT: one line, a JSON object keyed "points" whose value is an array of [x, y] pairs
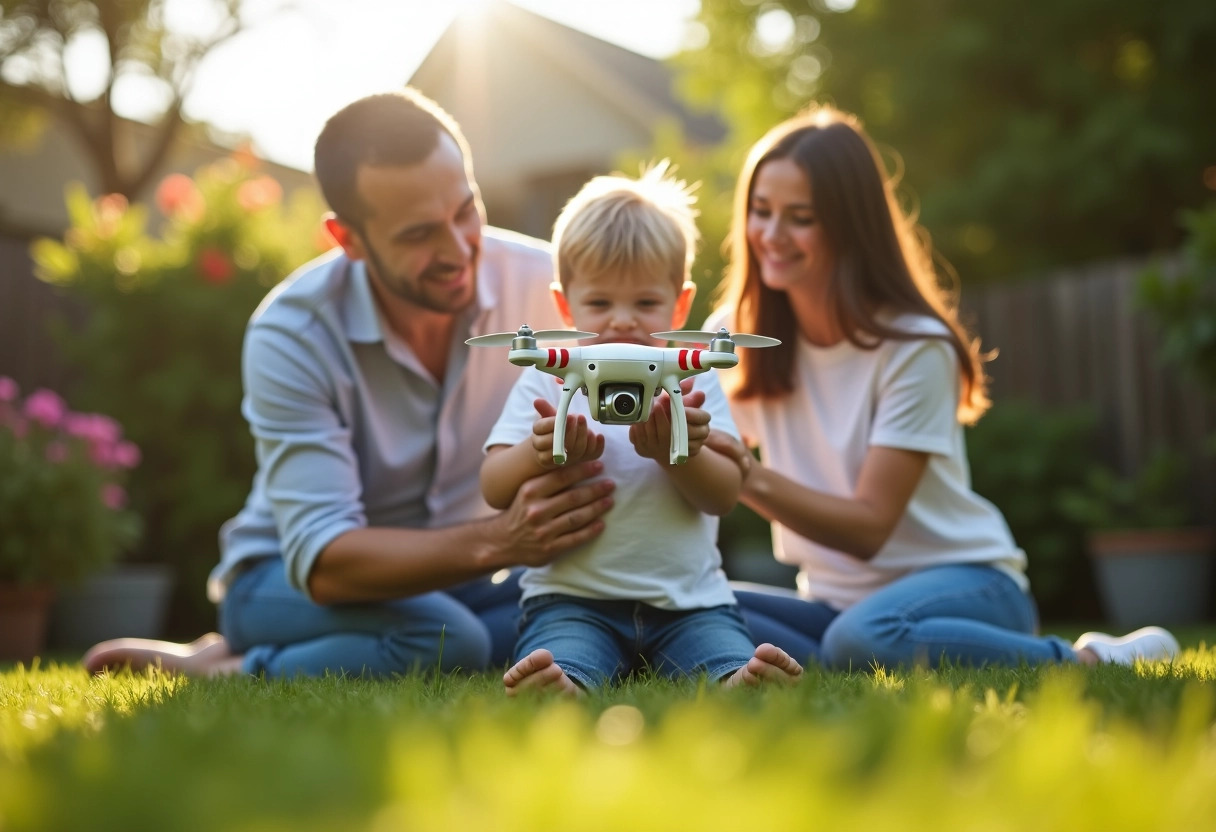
{"points": [[552, 357], [696, 359], [565, 357], [683, 359]]}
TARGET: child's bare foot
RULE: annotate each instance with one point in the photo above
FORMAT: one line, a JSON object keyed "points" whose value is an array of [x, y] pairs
{"points": [[207, 655], [538, 671], [768, 664]]}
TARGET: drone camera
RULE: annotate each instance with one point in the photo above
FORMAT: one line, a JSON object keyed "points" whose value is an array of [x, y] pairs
{"points": [[620, 404]]}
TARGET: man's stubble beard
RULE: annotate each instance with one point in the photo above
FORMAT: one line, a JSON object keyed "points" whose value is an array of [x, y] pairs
{"points": [[403, 290]]}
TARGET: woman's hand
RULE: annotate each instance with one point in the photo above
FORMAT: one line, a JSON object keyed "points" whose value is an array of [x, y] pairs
{"points": [[732, 449]]}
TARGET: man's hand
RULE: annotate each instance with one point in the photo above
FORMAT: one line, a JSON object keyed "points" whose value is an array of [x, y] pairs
{"points": [[582, 443], [553, 513], [652, 438]]}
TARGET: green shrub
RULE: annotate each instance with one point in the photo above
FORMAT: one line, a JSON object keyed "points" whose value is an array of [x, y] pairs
{"points": [[1184, 306], [1153, 499], [160, 346], [1025, 458]]}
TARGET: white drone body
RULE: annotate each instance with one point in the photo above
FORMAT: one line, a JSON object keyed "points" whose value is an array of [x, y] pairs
{"points": [[622, 380]]}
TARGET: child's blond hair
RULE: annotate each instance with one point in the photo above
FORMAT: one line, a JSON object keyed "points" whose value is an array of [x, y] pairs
{"points": [[621, 224]]}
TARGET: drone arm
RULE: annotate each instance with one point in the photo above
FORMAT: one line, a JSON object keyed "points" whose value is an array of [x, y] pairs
{"points": [[709, 481], [679, 421], [570, 385]]}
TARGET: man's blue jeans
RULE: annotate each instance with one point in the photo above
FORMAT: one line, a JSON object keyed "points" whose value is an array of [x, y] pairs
{"points": [[966, 614], [282, 633], [599, 641]]}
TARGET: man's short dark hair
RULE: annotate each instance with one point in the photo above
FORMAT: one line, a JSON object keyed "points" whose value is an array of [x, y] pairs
{"points": [[388, 129]]}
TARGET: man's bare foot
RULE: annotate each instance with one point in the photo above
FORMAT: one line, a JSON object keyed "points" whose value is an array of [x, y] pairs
{"points": [[768, 664], [538, 671], [207, 655]]}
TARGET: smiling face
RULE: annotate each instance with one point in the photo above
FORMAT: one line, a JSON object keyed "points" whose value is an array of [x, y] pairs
{"points": [[422, 233], [783, 233], [624, 307]]}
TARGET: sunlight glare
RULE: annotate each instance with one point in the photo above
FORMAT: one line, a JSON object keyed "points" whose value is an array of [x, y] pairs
{"points": [[86, 62], [774, 30]]}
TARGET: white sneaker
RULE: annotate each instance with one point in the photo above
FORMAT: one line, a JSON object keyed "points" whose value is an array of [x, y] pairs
{"points": [[1148, 643]]}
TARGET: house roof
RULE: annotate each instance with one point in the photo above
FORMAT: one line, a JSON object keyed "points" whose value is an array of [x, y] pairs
{"points": [[640, 87]]}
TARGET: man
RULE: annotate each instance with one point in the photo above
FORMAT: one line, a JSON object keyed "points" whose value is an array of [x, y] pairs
{"points": [[369, 413]]}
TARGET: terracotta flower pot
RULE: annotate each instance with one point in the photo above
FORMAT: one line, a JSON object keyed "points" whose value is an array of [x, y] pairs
{"points": [[1154, 576], [24, 610]]}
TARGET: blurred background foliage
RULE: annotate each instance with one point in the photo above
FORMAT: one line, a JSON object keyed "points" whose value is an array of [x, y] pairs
{"points": [[36, 39], [1030, 140], [1184, 305], [160, 346]]}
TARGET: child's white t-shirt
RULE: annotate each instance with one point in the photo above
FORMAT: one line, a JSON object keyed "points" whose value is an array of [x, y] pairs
{"points": [[903, 394], [656, 548]]}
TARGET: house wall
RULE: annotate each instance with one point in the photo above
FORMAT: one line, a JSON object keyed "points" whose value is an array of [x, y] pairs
{"points": [[33, 179], [540, 121]]}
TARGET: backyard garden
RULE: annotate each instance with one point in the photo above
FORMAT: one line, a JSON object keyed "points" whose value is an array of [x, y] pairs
{"points": [[1106, 481]]}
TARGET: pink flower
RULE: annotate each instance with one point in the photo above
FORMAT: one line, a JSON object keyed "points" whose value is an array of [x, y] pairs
{"points": [[215, 266], [56, 452], [259, 193], [93, 427], [126, 455], [108, 210], [178, 196], [45, 408], [102, 454], [113, 496], [8, 389]]}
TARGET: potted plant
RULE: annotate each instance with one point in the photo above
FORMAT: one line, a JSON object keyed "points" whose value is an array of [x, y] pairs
{"points": [[63, 508], [1150, 566]]}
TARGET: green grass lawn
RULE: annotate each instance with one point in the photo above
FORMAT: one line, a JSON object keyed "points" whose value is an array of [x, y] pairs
{"points": [[1058, 748]]}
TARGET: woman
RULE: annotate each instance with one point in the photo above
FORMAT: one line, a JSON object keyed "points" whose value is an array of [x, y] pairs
{"points": [[859, 415]]}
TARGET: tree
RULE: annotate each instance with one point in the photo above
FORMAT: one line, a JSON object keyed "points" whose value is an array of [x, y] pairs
{"points": [[1030, 139], [37, 35]]}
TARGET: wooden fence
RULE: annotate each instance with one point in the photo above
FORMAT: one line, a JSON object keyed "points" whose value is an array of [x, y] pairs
{"points": [[1078, 337], [27, 352], [1073, 337]]}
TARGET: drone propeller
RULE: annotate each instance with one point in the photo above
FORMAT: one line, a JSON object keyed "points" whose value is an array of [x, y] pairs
{"points": [[692, 336], [505, 339]]}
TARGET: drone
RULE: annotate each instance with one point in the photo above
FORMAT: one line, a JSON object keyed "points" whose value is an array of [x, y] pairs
{"points": [[622, 380]]}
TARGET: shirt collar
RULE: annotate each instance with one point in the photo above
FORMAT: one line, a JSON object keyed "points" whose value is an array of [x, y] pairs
{"points": [[361, 314]]}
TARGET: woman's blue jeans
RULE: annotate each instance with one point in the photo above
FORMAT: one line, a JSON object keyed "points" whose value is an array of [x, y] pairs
{"points": [[598, 641], [282, 633], [964, 614]]}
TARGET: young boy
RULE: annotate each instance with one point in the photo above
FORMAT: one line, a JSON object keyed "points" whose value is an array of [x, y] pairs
{"points": [[649, 591]]}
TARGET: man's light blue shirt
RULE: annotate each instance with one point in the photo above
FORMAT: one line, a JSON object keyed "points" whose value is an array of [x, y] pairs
{"points": [[350, 429]]}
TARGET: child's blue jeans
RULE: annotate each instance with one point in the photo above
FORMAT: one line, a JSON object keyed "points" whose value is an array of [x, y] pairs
{"points": [[599, 641]]}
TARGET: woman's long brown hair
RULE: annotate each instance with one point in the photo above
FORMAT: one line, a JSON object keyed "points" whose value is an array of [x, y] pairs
{"points": [[881, 264]]}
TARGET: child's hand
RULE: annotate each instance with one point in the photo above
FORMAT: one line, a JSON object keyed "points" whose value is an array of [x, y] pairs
{"points": [[652, 438], [582, 443]]}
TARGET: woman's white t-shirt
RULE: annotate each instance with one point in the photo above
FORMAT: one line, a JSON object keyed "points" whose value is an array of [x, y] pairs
{"points": [[902, 394]]}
